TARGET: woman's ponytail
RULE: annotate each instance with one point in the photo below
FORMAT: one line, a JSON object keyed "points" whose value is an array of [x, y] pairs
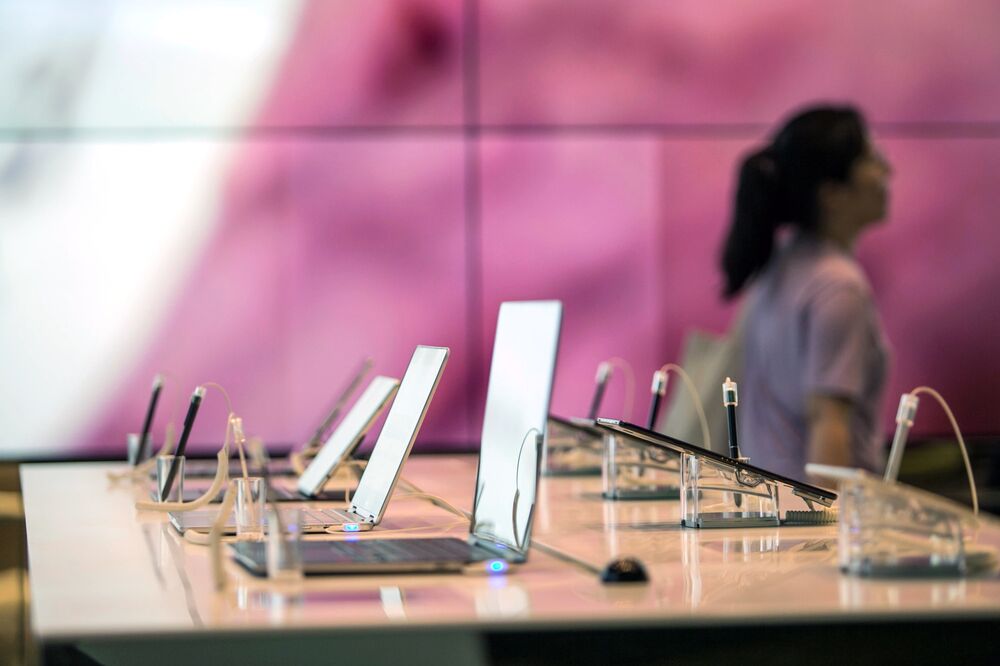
{"points": [[756, 214]]}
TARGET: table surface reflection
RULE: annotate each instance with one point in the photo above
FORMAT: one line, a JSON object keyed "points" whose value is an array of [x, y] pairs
{"points": [[100, 568]]}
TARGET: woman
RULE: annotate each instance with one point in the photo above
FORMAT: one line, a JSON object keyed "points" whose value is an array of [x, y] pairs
{"points": [[815, 355]]}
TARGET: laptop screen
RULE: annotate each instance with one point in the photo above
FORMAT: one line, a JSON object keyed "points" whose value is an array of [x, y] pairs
{"points": [[399, 432], [517, 407], [348, 434]]}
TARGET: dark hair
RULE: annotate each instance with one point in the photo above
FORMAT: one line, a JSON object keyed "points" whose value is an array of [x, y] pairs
{"points": [[779, 183]]}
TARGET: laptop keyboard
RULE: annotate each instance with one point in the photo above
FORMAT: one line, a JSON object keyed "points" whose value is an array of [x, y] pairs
{"points": [[325, 517], [373, 551], [293, 495]]}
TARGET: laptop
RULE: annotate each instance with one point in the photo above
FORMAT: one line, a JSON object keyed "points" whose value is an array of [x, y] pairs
{"points": [[340, 446], [391, 450], [517, 404], [345, 439]]}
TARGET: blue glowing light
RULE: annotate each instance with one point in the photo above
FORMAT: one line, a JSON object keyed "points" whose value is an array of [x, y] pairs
{"points": [[352, 527], [496, 566]]}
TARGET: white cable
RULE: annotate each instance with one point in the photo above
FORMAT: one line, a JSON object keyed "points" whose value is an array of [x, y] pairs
{"points": [[629, 373], [215, 537], [961, 442], [409, 484], [416, 492], [225, 394], [695, 398], [439, 502], [565, 557], [232, 422], [240, 439], [198, 538]]}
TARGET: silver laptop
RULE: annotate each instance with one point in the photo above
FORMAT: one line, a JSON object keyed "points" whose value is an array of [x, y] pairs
{"points": [[517, 404], [347, 437], [391, 450], [340, 446]]}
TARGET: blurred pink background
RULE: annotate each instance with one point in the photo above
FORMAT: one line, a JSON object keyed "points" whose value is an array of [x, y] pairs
{"points": [[414, 163]]}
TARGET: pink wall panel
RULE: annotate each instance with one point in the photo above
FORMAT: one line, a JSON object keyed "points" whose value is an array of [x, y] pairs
{"points": [[695, 188], [325, 253], [378, 62], [577, 220], [225, 324], [378, 267], [690, 61], [935, 271]]}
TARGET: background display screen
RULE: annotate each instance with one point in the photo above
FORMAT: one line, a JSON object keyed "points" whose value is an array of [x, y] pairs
{"points": [[262, 193]]}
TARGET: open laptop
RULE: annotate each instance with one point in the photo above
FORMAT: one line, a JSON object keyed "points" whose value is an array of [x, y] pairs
{"points": [[517, 404], [391, 450], [340, 446], [345, 439]]}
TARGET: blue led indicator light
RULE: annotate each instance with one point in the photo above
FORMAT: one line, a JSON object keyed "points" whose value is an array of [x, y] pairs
{"points": [[351, 527], [496, 566]]}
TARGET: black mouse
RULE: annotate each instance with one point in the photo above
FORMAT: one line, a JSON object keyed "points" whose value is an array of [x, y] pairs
{"points": [[624, 570]]}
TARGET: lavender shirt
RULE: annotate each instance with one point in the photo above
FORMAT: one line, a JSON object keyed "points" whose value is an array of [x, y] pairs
{"points": [[811, 328]]}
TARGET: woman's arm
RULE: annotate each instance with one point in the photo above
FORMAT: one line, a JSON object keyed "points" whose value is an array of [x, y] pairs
{"points": [[836, 372], [829, 430]]}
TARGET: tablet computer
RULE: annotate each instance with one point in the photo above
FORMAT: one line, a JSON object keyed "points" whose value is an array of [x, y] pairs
{"points": [[669, 443]]}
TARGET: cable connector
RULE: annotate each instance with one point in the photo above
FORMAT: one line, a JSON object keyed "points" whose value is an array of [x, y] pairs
{"points": [[601, 380], [729, 394], [907, 412], [603, 371], [658, 389], [237, 424], [905, 416], [659, 386]]}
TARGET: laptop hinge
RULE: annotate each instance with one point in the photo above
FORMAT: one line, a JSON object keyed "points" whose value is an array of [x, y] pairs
{"points": [[361, 517], [502, 551]]}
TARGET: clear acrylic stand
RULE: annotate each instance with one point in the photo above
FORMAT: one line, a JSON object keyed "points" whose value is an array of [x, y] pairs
{"points": [[573, 448], [632, 470], [714, 495], [890, 529]]}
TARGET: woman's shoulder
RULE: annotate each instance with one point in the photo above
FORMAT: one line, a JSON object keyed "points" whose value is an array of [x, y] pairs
{"points": [[823, 270]]}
